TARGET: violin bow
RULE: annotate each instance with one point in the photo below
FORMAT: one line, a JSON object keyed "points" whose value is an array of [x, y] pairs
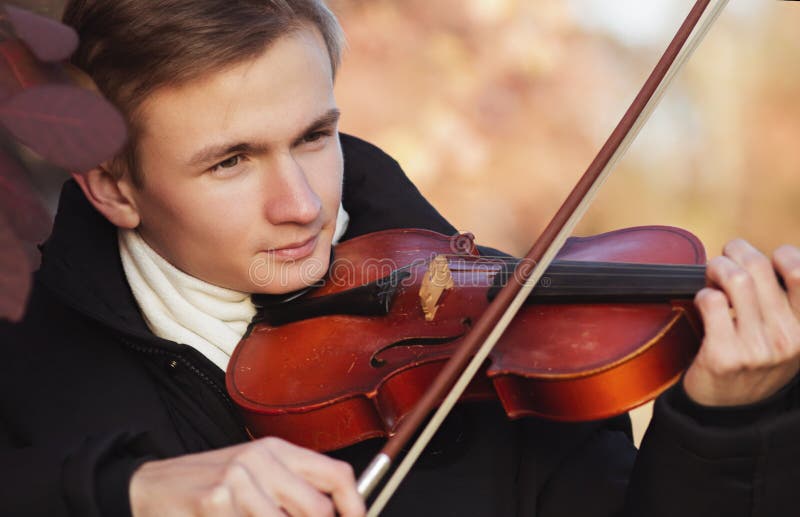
{"points": [[462, 367]]}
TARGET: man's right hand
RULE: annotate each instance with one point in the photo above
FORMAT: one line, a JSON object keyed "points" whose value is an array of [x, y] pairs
{"points": [[265, 477]]}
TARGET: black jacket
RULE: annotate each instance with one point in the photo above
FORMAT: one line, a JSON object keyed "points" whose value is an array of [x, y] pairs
{"points": [[88, 393]]}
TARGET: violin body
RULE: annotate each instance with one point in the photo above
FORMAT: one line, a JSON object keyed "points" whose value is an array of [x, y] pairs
{"points": [[332, 380]]}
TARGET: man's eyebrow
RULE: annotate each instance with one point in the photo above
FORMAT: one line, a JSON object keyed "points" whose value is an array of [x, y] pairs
{"points": [[327, 119], [214, 152]]}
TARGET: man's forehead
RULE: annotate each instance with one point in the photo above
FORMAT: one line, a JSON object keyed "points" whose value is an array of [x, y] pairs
{"points": [[284, 89]]}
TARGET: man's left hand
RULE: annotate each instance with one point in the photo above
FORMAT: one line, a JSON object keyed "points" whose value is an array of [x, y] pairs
{"points": [[751, 347]]}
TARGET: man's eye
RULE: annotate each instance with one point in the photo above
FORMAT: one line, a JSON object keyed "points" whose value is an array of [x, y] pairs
{"points": [[231, 162], [316, 135]]}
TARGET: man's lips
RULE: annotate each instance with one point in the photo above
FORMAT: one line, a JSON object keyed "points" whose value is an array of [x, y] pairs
{"points": [[295, 251]]}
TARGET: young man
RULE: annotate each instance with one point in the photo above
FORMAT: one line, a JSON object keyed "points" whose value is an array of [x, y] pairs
{"points": [[113, 398]]}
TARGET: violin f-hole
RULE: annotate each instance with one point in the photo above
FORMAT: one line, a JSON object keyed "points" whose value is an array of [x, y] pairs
{"points": [[377, 360]]}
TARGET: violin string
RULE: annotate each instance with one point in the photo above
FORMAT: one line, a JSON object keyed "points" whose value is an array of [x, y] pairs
{"points": [[514, 260], [665, 271]]}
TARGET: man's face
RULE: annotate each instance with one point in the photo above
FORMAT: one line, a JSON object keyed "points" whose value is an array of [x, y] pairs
{"points": [[243, 170]]}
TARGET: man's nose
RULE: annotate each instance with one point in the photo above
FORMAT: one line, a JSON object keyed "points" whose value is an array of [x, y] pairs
{"points": [[289, 196]]}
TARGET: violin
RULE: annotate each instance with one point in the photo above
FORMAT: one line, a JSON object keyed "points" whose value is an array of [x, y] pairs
{"points": [[609, 327]]}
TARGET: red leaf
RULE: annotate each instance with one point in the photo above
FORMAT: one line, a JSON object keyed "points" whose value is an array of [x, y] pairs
{"points": [[19, 69], [48, 39], [22, 208], [69, 126], [23, 223], [15, 274]]}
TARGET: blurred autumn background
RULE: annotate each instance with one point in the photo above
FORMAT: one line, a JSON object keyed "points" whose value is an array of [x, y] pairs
{"points": [[495, 107]]}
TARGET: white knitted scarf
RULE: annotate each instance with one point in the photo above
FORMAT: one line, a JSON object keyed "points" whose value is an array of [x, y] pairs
{"points": [[185, 309]]}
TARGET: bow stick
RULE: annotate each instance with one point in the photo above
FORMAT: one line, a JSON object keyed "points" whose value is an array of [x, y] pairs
{"points": [[461, 368]]}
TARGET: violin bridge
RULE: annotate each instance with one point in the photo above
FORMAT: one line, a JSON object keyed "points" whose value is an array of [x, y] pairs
{"points": [[437, 280]]}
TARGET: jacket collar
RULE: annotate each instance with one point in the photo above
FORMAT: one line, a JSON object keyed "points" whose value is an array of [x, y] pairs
{"points": [[81, 265]]}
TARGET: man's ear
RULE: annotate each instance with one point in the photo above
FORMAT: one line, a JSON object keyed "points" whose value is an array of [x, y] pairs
{"points": [[110, 196]]}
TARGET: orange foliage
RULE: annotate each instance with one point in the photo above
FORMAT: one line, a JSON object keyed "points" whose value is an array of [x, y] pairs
{"points": [[494, 108]]}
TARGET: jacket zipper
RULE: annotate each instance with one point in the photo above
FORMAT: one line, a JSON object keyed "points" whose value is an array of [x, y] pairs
{"points": [[221, 394]]}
